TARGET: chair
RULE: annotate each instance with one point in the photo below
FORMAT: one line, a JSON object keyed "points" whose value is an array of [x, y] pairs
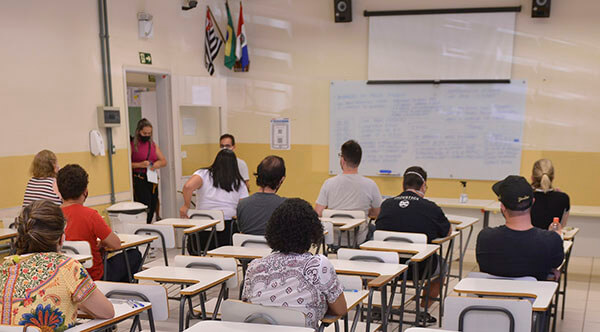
{"points": [[248, 240], [209, 214], [212, 306], [243, 312], [155, 294], [79, 248], [400, 237], [165, 233], [483, 275], [348, 214], [425, 329], [12, 328], [327, 238], [469, 314]]}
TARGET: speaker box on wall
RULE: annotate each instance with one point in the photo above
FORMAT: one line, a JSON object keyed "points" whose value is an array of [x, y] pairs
{"points": [[343, 10], [540, 8]]}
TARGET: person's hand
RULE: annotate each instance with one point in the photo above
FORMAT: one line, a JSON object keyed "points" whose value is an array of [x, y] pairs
{"points": [[183, 212], [153, 168], [557, 189], [556, 274], [145, 163]]}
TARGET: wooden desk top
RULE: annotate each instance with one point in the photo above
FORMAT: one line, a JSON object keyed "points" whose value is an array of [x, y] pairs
{"points": [[122, 311], [240, 252], [372, 269], [570, 232], [7, 233], [79, 258], [445, 239], [132, 240], [461, 222], [567, 245], [201, 279], [455, 203], [542, 291], [353, 298], [221, 326], [185, 223], [345, 224], [420, 251]]}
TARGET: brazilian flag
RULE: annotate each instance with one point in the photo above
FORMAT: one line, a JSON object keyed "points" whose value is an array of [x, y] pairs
{"points": [[230, 41]]}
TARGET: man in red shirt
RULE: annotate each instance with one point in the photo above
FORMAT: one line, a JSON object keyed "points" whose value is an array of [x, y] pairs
{"points": [[85, 224]]}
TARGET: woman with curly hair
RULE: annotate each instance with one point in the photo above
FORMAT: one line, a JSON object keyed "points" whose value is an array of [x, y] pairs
{"points": [[292, 276], [42, 184], [40, 286]]}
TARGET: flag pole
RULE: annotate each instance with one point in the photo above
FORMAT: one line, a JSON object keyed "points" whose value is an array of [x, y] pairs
{"points": [[215, 22]]}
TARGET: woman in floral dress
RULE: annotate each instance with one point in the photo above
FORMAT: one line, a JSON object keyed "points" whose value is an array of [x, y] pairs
{"points": [[40, 286]]}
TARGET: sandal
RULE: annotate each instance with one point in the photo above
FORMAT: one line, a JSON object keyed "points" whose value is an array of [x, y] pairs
{"points": [[425, 319]]}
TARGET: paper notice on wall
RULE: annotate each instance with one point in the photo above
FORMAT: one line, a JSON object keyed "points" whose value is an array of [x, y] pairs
{"points": [[201, 95], [280, 134], [189, 126]]}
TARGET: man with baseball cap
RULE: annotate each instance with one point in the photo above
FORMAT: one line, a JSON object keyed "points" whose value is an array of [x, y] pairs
{"points": [[518, 249]]}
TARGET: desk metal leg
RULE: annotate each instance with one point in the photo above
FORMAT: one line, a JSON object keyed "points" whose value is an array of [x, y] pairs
{"points": [[486, 219], [244, 263], [105, 259], [182, 302], [384, 311], [129, 275], [183, 243], [460, 256], [403, 290], [369, 308], [213, 234]]}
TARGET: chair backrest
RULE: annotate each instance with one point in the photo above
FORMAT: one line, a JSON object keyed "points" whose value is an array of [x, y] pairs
{"points": [[350, 214], [238, 311], [13, 328], [425, 329], [164, 232], [248, 240], [210, 263], [351, 282], [400, 237], [209, 214], [81, 248], [483, 275], [469, 314], [155, 294], [368, 255], [329, 236]]}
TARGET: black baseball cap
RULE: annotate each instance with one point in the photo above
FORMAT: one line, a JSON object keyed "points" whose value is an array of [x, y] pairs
{"points": [[514, 192]]}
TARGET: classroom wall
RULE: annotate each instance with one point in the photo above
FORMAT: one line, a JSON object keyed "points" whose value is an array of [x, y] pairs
{"points": [[52, 62]]}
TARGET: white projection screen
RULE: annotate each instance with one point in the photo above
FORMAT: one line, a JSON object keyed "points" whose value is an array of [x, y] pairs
{"points": [[473, 46]]}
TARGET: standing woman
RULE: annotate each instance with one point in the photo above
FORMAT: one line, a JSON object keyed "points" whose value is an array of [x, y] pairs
{"points": [[145, 154], [219, 187], [549, 202], [42, 185]]}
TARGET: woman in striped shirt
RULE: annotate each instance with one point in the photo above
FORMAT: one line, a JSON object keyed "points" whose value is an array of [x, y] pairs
{"points": [[43, 183]]}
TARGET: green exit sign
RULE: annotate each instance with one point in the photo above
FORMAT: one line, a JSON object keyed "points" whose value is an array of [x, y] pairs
{"points": [[145, 58]]}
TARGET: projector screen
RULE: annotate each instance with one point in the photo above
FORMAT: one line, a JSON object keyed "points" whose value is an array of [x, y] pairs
{"points": [[441, 46]]}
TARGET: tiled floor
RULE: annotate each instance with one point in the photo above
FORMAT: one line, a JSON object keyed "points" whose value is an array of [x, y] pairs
{"points": [[582, 311]]}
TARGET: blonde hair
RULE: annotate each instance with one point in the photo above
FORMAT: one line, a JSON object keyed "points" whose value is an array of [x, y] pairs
{"points": [[43, 164], [542, 175]]}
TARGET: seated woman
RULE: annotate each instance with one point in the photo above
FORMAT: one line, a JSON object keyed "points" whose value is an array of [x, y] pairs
{"points": [[291, 276], [40, 286], [218, 187], [549, 202], [42, 185]]}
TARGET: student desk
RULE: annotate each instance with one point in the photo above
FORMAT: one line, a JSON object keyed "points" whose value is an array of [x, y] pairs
{"points": [[420, 252], [347, 225], [193, 226], [200, 281], [386, 274], [123, 310], [462, 223], [471, 204], [9, 234], [541, 291], [80, 258], [221, 326], [353, 299], [130, 241]]}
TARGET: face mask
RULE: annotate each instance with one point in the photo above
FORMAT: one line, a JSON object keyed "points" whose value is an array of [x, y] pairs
{"points": [[144, 138]]}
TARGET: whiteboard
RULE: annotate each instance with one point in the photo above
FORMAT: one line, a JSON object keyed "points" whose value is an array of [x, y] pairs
{"points": [[454, 131], [441, 46]]}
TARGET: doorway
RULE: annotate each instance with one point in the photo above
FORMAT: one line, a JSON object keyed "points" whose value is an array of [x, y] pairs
{"points": [[149, 96]]}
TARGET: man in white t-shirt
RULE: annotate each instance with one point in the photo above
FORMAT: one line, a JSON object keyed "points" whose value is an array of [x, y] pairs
{"points": [[227, 141], [349, 190]]}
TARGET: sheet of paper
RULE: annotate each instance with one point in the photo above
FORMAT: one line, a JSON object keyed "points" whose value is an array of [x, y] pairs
{"points": [[201, 95], [280, 134], [189, 126], [152, 176]]}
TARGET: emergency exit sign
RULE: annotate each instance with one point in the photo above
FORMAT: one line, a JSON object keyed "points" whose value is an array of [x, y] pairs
{"points": [[145, 58]]}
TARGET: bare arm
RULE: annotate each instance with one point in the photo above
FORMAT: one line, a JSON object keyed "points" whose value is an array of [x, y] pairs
{"points": [[319, 209], [338, 307], [194, 183], [564, 219], [161, 162], [374, 212], [141, 164], [112, 241], [98, 305]]}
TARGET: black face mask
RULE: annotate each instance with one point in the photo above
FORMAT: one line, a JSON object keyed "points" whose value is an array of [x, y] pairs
{"points": [[144, 138]]}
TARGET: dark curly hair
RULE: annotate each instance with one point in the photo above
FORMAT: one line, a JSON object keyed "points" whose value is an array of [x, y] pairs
{"points": [[72, 180], [294, 227], [270, 171]]}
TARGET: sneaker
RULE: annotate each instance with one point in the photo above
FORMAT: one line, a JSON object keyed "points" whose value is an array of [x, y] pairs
{"points": [[425, 319]]}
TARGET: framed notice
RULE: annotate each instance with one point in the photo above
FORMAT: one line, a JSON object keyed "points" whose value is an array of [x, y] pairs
{"points": [[280, 134]]}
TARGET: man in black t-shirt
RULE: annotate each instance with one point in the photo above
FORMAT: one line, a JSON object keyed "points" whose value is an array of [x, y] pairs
{"points": [[518, 249], [410, 212]]}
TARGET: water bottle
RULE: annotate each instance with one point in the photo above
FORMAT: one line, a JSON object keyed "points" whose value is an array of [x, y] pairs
{"points": [[464, 198], [555, 226]]}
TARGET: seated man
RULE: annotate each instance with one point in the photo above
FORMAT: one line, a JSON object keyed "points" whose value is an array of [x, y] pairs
{"points": [[85, 224], [350, 190], [411, 212], [518, 249], [253, 212]]}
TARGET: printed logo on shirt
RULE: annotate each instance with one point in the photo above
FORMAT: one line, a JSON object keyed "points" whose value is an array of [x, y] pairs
{"points": [[404, 204]]}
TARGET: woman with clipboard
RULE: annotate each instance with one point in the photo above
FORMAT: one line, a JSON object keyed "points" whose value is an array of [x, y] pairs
{"points": [[146, 158]]}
